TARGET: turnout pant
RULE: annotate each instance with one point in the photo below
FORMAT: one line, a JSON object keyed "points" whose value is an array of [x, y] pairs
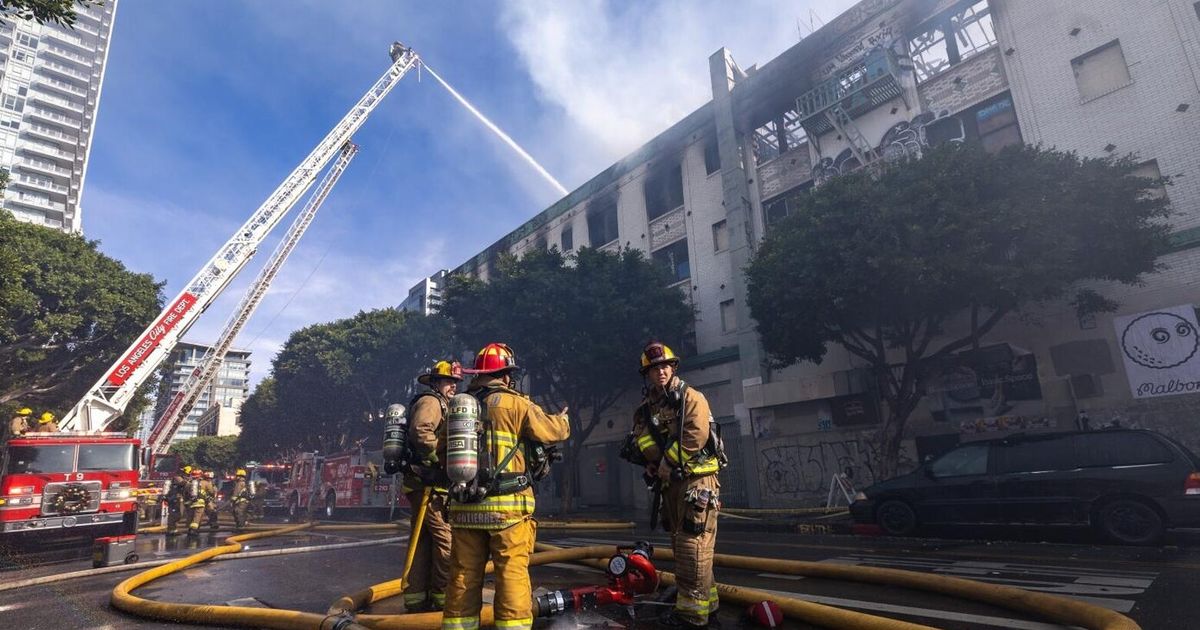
{"points": [[240, 507], [175, 512], [195, 518], [693, 538], [509, 549], [431, 561]]}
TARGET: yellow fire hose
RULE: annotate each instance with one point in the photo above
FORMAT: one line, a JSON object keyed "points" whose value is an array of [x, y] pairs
{"points": [[415, 537]]}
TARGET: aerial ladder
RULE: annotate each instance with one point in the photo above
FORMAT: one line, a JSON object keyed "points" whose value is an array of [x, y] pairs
{"points": [[107, 399], [198, 381]]}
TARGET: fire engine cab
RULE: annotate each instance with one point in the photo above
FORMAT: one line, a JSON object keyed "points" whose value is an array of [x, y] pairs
{"points": [[352, 481], [61, 482]]}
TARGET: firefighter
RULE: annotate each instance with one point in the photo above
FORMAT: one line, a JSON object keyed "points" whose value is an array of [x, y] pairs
{"points": [[499, 526], [174, 499], [426, 587], [46, 423], [193, 498], [243, 493], [20, 423], [673, 438], [208, 488]]}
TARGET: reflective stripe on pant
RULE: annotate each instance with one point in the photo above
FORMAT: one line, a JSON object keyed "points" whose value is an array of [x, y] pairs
{"points": [[195, 517], [693, 537], [509, 549], [431, 562]]}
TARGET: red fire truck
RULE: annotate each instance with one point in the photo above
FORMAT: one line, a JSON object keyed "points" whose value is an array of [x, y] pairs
{"points": [[342, 484], [54, 485]]}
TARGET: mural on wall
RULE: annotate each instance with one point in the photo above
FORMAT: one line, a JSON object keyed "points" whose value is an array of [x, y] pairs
{"points": [[994, 388], [793, 468], [1159, 349]]}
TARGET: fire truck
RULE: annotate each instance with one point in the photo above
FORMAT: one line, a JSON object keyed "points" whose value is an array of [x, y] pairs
{"points": [[68, 483], [342, 484]]}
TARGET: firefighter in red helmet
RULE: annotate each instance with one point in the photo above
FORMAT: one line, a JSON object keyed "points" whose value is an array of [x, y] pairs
{"points": [[499, 526]]}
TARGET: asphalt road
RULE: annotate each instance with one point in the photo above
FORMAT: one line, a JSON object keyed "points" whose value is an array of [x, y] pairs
{"points": [[1153, 586]]}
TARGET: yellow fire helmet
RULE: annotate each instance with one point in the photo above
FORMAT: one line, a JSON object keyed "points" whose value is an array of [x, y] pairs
{"points": [[187, 470], [24, 411], [657, 352], [241, 472], [46, 418], [442, 369]]}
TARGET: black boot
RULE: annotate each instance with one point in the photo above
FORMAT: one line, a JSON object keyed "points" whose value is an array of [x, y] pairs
{"points": [[670, 619]]}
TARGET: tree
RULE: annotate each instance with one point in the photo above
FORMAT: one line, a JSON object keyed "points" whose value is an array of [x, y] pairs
{"points": [[66, 312], [209, 452], [43, 11], [905, 267], [331, 382], [576, 323]]}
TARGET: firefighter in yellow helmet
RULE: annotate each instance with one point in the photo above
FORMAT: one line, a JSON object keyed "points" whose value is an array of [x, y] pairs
{"points": [[174, 499], [675, 439], [208, 488], [194, 500], [243, 493], [46, 423], [20, 423], [426, 586], [499, 526]]}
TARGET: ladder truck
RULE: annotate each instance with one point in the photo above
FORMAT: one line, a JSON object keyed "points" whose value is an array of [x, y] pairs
{"points": [[59, 499]]}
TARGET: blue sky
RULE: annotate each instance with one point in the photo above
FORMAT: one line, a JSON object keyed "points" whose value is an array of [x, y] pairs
{"points": [[207, 105]]}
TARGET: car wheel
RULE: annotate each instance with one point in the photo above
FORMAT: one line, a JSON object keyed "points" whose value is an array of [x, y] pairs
{"points": [[330, 505], [1130, 522], [896, 517]]}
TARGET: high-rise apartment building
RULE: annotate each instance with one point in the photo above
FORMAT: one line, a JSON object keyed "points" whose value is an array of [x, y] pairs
{"points": [[227, 391], [50, 80], [426, 295]]}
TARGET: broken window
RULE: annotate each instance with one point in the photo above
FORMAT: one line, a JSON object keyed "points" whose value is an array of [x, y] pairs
{"points": [[779, 135], [1101, 71], [664, 191], [602, 221], [1150, 170], [568, 239], [712, 156], [675, 258], [970, 33]]}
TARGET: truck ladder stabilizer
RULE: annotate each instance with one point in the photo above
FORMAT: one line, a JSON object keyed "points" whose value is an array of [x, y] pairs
{"points": [[107, 399]]}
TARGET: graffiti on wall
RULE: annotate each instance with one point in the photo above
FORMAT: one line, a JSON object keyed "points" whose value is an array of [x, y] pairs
{"points": [[791, 469]]}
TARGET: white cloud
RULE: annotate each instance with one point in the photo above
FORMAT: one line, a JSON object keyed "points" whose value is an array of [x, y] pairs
{"points": [[622, 75]]}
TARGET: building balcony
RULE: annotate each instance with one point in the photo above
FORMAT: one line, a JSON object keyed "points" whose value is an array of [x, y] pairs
{"points": [[57, 101], [17, 197], [40, 183], [67, 38], [69, 55], [43, 166], [64, 70], [865, 85], [51, 116], [47, 150], [84, 27], [61, 86], [39, 131]]}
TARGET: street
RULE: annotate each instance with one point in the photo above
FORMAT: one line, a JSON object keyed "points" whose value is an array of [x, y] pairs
{"points": [[1151, 585]]}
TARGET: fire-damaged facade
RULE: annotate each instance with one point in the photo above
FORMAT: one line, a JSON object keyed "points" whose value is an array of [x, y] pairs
{"points": [[881, 82]]}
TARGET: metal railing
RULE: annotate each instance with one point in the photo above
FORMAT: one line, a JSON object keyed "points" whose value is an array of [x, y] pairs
{"points": [[34, 128], [55, 116], [68, 54], [38, 95], [61, 85], [41, 183], [44, 165], [64, 69], [850, 81]]}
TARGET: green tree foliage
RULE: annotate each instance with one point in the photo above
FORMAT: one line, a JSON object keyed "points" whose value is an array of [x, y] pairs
{"points": [[577, 324], [331, 383], [216, 453], [66, 312], [43, 11], [909, 265]]}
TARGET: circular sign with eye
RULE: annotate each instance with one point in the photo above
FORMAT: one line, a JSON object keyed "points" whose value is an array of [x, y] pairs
{"points": [[1160, 340]]}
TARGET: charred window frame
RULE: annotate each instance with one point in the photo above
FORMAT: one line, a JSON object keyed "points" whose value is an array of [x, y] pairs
{"points": [[663, 188], [567, 241], [779, 135], [675, 258], [951, 39], [712, 156], [602, 220]]}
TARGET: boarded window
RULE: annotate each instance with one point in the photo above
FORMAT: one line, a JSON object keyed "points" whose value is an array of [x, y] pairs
{"points": [[1101, 71], [602, 221], [728, 316], [720, 231], [664, 191]]}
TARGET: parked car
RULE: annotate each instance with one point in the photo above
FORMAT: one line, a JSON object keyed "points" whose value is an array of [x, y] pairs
{"points": [[1130, 485]]}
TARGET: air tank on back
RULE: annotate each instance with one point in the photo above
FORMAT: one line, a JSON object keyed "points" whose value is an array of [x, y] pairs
{"points": [[395, 438], [462, 439]]}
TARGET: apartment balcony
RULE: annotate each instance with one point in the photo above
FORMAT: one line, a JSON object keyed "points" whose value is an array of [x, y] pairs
{"points": [[865, 85], [64, 70], [39, 183], [62, 86], [47, 150], [35, 202], [45, 114], [83, 26], [57, 101], [67, 38], [48, 133], [47, 167], [69, 55]]}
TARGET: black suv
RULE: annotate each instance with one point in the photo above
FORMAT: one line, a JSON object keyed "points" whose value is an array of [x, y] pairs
{"points": [[1130, 485]]}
